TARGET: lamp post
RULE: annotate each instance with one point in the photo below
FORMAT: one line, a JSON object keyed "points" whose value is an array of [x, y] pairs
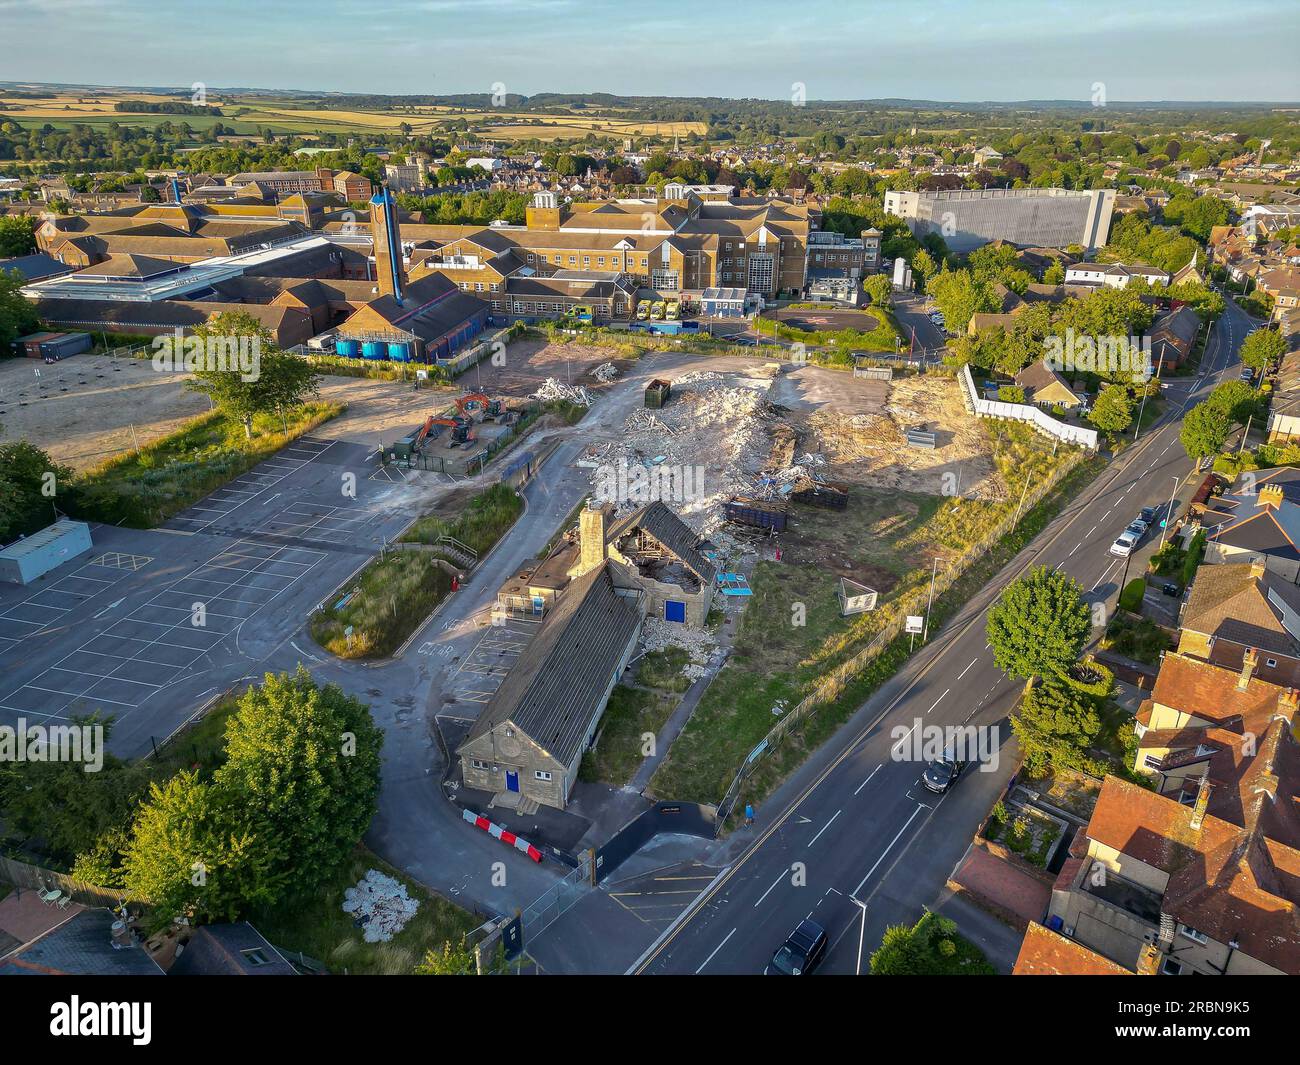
{"points": [[862, 932], [1170, 515]]}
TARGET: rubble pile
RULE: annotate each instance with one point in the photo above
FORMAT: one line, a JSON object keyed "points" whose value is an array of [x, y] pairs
{"points": [[657, 635], [553, 389], [605, 372], [721, 421], [381, 905]]}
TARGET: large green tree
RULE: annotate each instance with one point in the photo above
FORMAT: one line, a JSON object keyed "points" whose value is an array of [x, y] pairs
{"points": [[278, 383], [1113, 410], [1262, 348], [307, 757], [1056, 723], [18, 315], [1039, 624], [1205, 428]]}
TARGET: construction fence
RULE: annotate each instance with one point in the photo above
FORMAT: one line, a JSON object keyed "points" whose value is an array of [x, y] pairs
{"points": [[829, 687]]}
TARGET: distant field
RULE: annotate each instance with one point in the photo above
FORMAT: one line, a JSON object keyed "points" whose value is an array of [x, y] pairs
{"points": [[67, 109]]}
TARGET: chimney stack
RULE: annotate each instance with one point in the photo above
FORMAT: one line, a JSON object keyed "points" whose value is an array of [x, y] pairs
{"points": [[591, 540], [1202, 801], [1269, 495], [1249, 663], [1288, 705], [1257, 569]]}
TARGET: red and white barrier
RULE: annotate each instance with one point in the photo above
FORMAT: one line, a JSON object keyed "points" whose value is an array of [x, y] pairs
{"points": [[504, 835]]}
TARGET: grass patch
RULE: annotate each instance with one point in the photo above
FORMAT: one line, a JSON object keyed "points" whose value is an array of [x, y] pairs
{"points": [[145, 487], [483, 522], [736, 710], [318, 927], [392, 596], [619, 750], [883, 338], [663, 670]]}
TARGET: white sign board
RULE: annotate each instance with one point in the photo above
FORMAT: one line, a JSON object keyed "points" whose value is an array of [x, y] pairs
{"points": [[915, 623]]}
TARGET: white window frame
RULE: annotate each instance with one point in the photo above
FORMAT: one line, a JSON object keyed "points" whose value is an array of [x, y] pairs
{"points": [[1193, 934], [541, 774]]}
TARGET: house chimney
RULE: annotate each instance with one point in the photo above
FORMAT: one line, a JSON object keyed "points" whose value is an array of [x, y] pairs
{"points": [[1249, 663], [591, 540], [1288, 705], [1257, 569], [1269, 495], [1202, 801], [1148, 962]]}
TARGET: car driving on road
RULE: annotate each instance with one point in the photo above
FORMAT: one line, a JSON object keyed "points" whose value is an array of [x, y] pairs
{"points": [[800, 953], [942, 773]]}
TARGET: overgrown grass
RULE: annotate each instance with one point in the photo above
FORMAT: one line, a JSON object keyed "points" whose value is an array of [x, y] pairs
{"points": [[882, 338], [620, 749], [663, 670], [1140, 639], [482, 523], [391, 597], [143, 488], [318, 927], [736, 710]]}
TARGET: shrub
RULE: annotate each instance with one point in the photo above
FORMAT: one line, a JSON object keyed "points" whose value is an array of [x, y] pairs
{"points": [[1130, 598]]}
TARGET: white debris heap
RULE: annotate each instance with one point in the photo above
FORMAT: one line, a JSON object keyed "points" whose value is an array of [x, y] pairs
{"points": [[553, 388], [605, 372], [381, 904], [658, 635]]}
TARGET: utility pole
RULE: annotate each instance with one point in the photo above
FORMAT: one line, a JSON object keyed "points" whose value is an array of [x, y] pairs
{"points": [[1024, 492], [925, 632], [1170, 515]]}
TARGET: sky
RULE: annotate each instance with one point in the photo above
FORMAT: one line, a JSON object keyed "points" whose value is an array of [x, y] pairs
{"points": [[951, 50]]}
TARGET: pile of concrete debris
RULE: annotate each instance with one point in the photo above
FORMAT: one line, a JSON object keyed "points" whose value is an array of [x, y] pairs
{"points": [[658, 635], [554, 389], [605, 372], [381, 905]]}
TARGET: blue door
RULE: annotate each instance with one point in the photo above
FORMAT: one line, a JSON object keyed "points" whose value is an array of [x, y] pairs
{"points": [[674, 611], [512, 780]]}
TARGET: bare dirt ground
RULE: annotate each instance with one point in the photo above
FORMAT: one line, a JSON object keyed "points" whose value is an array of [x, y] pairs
{"points": [[86, 409], [530, 362], [870, 448]]}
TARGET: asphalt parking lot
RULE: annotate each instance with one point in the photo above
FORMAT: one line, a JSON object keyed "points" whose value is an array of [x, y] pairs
{"points": [[149, 623]]}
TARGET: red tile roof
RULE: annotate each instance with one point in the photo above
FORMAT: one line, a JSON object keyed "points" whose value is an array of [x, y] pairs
{"points": [[1048, 953]]}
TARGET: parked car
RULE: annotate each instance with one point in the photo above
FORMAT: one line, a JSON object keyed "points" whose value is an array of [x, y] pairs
{"points": [[1247, 374], [1125, 544], [1147, 515], [800, 954], [1139, 526], [1170, 589], [942, 773]]}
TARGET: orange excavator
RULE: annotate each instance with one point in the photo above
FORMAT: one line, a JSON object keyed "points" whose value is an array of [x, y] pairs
{"points": [[478, 405], [459, 426]]}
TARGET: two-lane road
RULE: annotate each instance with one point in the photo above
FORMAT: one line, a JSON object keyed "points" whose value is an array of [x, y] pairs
{"points": [[856, 823]]}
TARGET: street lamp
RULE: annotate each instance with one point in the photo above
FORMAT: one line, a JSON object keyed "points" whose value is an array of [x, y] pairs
{"points": [[862, 933], [1170, 515]]}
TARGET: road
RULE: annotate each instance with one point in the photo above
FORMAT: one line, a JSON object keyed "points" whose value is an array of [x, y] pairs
{"points": [[855, 823]]}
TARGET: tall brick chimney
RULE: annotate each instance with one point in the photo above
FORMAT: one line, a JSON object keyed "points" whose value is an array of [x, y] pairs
{"points": [[591, 540], [1249, 663], [1288, 704]]}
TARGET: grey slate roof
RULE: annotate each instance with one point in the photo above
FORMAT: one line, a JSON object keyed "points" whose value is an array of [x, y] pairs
{"points": [[556, 689], [660, 522], [80, 946], [218, 950]]}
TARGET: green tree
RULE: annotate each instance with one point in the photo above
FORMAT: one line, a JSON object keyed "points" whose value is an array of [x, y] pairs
{"points": [[1039, 624], [1262, 348], [1205, 428], [1113, 410], [307, 758], [879, 288], [1056, 724], [452, 960], [280, 381], [18, 315], [192, 852], [17, 235], [35, 481], [931, 947]]}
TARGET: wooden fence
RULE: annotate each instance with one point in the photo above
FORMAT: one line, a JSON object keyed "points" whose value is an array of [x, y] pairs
{"points": [[26, 877]]}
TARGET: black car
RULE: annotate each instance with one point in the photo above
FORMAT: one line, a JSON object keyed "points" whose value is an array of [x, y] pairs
{"points": [[800, 954], [1148, 515], [942, 773]]}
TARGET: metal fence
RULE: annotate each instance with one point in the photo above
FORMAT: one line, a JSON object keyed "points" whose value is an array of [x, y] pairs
{"points": [[558, 899], [829, 687]]}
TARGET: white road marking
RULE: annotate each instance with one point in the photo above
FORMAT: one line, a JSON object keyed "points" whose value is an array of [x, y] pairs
{"points": [[824, 828], [884, 852], [937, 701], [868, 780], [715, 952], [767, 893], [967, 669]]}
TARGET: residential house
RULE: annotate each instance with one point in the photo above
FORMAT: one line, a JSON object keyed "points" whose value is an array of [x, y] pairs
{"points": [[1257, 521], [1113, 275], [236, 949], [1172, 337], [1239, 614], [1045, 387]]}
